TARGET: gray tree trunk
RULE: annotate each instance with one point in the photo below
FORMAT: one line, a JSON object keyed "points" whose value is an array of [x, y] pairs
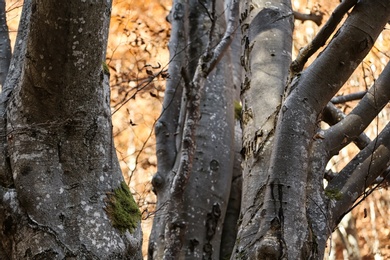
{"points": [[267, 34], [59, 163], [193, 187], [289, 215], [286, 212], [5, 46]]}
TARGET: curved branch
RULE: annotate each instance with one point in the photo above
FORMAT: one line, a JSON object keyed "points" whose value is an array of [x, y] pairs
{"points": [[321, 38], [332, 115], [167, 124], [359, 174], [349, 97], [341, 134], [227, 38]]}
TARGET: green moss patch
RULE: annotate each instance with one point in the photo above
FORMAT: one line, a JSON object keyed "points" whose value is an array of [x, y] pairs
{"points": [[333, 194], [122, 209], [237, 110]]}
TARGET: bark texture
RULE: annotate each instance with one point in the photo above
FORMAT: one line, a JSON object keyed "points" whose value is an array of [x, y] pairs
{"points": [[293, 215], [267, 33], [5, 46], [59, 141], [193, 188]]}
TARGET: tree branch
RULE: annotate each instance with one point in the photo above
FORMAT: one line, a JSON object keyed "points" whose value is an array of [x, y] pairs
{"points": [[343, 54], [205, 65], [321, 38], [358, 175], [227, 38], [316, 17], [349, 97], [13, 78], [167, 125], [332, 115], [341, 134], [5, 45]]}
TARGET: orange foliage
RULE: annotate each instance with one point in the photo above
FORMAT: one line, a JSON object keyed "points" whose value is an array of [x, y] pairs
{"points": [[137, 53]]}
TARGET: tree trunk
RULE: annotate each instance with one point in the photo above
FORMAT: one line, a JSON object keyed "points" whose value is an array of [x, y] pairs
{"points": [[267, 34], [65, 174], [5, 46], [193, 192], [290, 212]]}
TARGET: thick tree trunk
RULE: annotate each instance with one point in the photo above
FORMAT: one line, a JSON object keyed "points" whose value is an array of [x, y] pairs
{"points": [[291, 214], [59, 140]]}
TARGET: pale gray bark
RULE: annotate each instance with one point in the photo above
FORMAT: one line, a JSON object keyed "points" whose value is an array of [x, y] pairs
{"points": [[167, 128], [267, 34], [193, 192], [59, 138]]}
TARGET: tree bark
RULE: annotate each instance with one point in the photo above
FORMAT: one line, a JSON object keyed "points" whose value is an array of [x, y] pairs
{"points": [[59, 139], [289, 219], [5, 45], [193, 192], [267, 34]]}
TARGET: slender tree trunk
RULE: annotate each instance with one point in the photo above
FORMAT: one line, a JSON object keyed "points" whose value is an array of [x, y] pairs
{"points": [[267, 34], [193, 192], [5, 45]]}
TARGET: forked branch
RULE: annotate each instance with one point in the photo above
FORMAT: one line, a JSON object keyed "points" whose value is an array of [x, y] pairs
{"points": [[358, 175], [321, 38], [341, 134], [315, 17]]}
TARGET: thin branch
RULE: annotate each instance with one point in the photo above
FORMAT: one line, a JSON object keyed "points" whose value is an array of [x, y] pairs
{"points": [[227, 38], [349, 97], [321, 38], [314, 17], [359, 174]]}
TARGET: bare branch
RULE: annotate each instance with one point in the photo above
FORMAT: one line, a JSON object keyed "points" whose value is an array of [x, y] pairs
{"points": [[341, 134], [315, 17], [227, 38], [188, 143], [332, 115], [204, 67], [167, 124], [343, 54], [321, 38], [13, 78], [5, 45], [349, 97], [359, 174]]}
